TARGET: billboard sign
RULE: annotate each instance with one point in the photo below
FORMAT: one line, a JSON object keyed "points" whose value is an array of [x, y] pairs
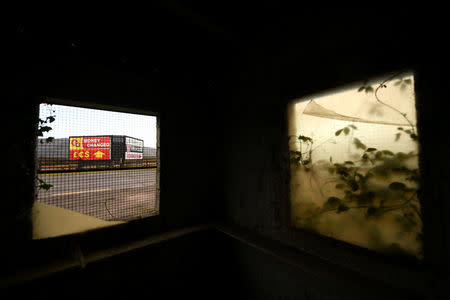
{"points": [[90, 148], [134, 148]]}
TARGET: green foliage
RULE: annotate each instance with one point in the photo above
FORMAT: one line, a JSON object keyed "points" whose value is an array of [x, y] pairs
{"points": [[347, 130], [409, 132], [397, 186], [372, 211], [402, 83], [366, 88], [342, 208], [332, 202], [364, 184], [42, 127], [359, 144], [305, 138], [43, 185], [387, 152], [302, 157], [357, 187]]}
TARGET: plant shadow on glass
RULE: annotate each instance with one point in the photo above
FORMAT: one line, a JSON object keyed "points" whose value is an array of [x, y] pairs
{"points": [[354, 166]]}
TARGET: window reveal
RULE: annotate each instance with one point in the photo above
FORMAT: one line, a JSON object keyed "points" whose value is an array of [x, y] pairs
{"points": [[354, 165]]}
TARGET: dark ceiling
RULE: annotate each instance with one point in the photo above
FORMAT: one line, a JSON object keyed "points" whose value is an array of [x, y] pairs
{"points": [[178, 36]]}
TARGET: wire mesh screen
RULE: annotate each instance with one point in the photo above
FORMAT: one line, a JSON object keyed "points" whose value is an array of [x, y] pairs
{"points": [[96, 162], [355, 165]]}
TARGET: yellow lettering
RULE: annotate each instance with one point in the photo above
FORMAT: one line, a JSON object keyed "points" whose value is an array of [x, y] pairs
{"points": [[86, 154], [74, 155], [80, 154]]}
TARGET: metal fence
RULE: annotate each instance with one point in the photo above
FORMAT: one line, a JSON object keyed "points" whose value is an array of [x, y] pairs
{"points": [[48, 164]]}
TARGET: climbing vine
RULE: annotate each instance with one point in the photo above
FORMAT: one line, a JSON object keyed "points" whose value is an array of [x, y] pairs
{"points": [[376, 181], [44, 126]]}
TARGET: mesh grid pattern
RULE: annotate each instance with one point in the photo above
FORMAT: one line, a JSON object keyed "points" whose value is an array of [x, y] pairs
{"points": [[355, 165], [98, 163]]}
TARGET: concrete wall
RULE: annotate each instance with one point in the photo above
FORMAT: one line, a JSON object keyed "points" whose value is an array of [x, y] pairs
{"points": [[256, 162], [178, 100], [223, 154]]}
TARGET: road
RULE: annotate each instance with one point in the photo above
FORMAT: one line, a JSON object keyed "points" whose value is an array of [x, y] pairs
{"points": [[108, 195]]}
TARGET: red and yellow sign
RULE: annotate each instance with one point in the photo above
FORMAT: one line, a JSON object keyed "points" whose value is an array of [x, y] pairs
{"points": [[89, 148]]}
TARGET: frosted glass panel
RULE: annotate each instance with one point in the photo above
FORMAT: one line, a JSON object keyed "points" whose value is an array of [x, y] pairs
{"points": [[354, 165]]}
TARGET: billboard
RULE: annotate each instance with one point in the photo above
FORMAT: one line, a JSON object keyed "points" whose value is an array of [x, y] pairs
{"points": [[134, 148], [90, 148]]}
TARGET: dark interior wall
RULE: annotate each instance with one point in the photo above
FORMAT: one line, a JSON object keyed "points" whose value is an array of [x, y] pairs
{"points": [[186, 134], [256, 160], [223, 150], [255, 142], [161, 63], [183, 267], [263, 276]]}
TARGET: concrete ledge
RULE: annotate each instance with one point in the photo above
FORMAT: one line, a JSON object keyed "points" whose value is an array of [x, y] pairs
{"points": [[82, 259]]}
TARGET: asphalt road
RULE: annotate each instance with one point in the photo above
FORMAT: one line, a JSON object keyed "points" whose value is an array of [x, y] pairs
{"points": [[108, 195]]}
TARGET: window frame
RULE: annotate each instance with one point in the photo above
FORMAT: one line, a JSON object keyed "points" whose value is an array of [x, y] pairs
{"points": [[90, 103], [403, 273]]}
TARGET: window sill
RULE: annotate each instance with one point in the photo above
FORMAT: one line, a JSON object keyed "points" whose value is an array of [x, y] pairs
{"points": [[422, 284], [81, 259]]}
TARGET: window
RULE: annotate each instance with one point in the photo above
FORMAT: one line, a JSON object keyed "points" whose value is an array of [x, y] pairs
{"points": [[354, 165], [95, 168]]}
